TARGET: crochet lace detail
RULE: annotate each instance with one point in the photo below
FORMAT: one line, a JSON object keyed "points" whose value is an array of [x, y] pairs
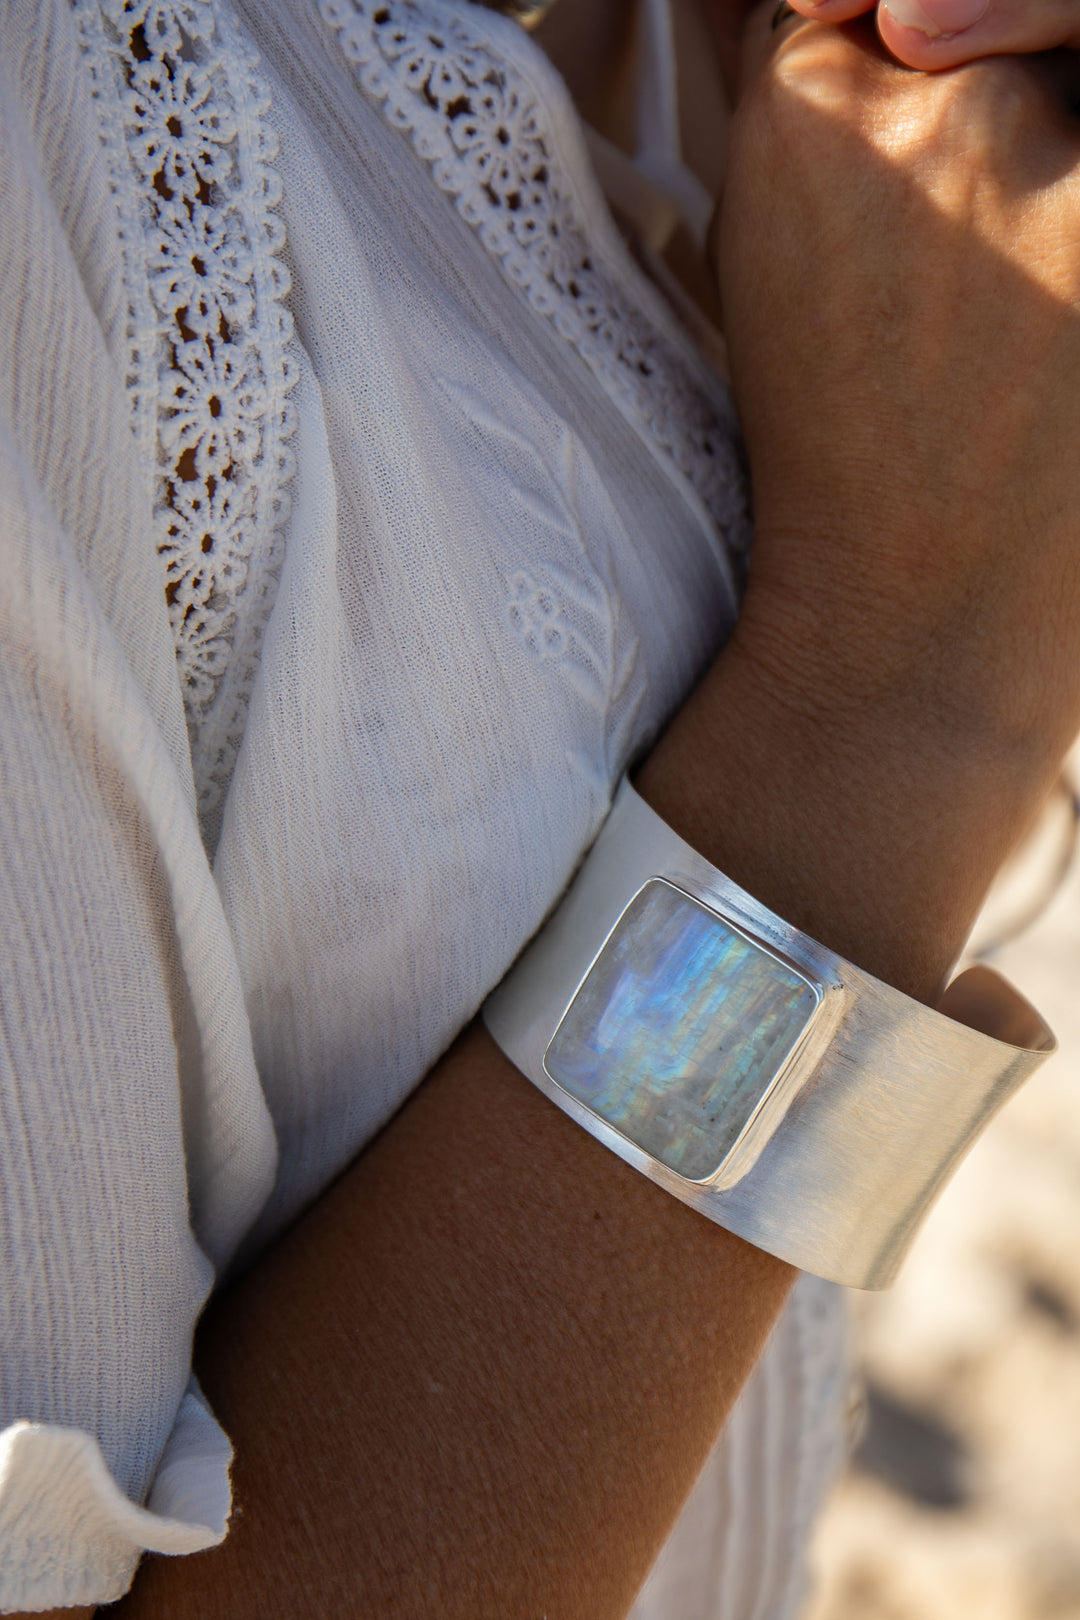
{"points": [[487, 137], [183, 122]]}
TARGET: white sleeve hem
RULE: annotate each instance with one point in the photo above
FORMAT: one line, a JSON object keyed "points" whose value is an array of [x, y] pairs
{"points": [[69, 1535]]}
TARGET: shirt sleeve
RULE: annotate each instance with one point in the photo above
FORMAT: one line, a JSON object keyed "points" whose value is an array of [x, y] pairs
{"points": [[135, 1144]]}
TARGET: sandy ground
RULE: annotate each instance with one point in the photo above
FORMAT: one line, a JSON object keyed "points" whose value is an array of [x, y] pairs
{"points": [[963, 1498]]}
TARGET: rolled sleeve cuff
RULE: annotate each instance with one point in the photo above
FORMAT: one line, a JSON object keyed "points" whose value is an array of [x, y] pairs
{"points": [[68, 1534]]}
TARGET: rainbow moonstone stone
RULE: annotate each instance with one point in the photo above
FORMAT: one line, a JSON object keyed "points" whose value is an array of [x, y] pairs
{"points": [[679, 1029]]}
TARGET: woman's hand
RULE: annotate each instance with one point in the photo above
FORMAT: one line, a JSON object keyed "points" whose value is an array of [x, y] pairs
{"points": [[932, 34], [900, 280]]}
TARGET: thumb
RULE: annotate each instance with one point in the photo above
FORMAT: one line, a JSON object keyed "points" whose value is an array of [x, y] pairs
{"points": [[931, 34]]}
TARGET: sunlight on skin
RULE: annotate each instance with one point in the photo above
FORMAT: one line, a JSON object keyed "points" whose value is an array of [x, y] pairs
{"points": [[936, 141]]}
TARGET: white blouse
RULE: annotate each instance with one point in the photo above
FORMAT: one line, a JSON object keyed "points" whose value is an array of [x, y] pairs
{"points": [[364, 511]]}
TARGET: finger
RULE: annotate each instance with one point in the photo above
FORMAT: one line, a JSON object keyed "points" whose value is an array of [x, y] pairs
{"points": [[933, 34]]}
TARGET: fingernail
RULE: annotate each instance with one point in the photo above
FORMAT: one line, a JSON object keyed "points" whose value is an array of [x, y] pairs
{"points": [[938, 19]]}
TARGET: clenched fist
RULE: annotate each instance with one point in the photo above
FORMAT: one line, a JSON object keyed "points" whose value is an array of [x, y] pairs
{"points": [[899, 260], [900, 270]]}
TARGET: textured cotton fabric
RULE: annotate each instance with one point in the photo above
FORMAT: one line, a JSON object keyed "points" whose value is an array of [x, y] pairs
{"points": [[503, 564]]}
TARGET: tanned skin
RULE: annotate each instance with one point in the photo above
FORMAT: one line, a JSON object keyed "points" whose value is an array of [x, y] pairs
{"points": [[479, 1377]]}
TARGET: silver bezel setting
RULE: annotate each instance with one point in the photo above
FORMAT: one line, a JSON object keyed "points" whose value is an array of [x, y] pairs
{"points": [[777, 1092]]}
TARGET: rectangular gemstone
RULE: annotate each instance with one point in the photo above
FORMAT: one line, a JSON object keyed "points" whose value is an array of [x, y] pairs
{"points": [[679, 1029]]}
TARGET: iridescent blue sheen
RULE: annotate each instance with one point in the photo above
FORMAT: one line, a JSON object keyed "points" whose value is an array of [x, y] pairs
{"points": [[678, 1030]]}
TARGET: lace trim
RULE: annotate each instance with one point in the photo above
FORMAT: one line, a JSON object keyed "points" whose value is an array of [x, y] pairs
{"points": [[183, 123], [488, 140]]}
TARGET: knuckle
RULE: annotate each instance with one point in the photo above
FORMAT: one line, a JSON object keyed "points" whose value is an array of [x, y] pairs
{"points": [[1003, 90], [977, 117], [822, 67]]}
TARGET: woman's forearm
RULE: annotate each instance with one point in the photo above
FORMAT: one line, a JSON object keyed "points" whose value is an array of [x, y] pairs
{"points": [[478, 1380], [480, 1377]]}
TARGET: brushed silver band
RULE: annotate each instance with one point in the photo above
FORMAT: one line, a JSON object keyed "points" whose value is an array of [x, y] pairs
{"points": [[887, 1097]]}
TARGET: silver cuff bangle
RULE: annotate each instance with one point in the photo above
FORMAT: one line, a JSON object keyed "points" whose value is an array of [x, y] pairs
{"points": [[765, 1081]]}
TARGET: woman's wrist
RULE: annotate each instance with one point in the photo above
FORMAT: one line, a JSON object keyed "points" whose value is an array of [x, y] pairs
{"points": [[872, 834]]}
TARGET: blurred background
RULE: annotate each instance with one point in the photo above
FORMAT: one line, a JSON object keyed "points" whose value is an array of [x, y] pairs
{"points": [[962, 1497]]}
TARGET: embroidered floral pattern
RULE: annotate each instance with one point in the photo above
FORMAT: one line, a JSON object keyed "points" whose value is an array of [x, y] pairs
{"points": [[484, 132], [535, 615], [183, 121], [568, 609]]}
